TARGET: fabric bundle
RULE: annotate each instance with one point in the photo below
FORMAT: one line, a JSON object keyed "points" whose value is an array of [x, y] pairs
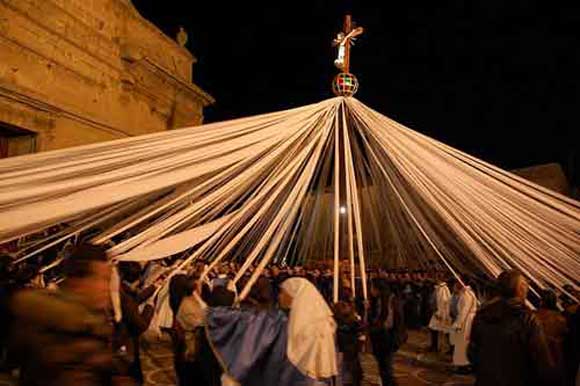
{"points": [[325, 182]]}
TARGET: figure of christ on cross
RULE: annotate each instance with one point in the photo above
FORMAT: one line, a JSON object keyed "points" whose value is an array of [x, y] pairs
{"points": [[344, 40]]}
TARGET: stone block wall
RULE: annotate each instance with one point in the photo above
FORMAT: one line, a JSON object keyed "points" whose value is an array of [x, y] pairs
{"points": [[82, 71]]}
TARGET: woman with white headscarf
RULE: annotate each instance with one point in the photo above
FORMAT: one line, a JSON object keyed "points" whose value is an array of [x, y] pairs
{"points": [[270, 347]]}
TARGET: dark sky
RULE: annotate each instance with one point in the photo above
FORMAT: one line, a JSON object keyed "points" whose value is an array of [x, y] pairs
{"points": [[499, 79]]}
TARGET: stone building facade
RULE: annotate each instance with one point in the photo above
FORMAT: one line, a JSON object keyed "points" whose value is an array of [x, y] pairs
{"points": [[74, 72]]}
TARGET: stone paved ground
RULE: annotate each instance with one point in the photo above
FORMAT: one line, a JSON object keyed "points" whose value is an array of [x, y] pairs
{"points": [[6, 380], [413, 367], [157, 362]]}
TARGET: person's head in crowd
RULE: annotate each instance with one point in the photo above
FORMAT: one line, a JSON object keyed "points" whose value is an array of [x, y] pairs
{"points": [[549, 300], [512, 284], [130, 271], [344, 313], [283, 275], [88, 273], [347, 294], [5, 268], [180, 286], [284, 300], [205, 292], [568, 298], [221, 297], [455, 285], [375, 288], [262, 293], [23, 275]]}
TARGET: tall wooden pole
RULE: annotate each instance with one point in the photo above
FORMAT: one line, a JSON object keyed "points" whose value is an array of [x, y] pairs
{"points": [[347, 30], [336, 281]]}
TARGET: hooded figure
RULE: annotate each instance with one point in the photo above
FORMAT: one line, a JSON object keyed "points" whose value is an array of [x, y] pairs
{"points": [[461, 328], [441, 319], [270, 347]]}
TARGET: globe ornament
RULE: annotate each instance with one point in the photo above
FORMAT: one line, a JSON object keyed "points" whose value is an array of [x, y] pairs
{"points": [[345, 84]]}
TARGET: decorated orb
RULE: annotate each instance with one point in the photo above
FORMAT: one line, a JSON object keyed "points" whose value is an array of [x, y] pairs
{"points": [[345, 84]]}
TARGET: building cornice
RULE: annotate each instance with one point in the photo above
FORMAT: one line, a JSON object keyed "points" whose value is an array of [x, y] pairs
{"points": [[135, 14], [203, 96], [38, 103]]}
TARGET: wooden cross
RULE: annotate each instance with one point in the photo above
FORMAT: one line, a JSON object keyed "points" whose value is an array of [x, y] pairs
{"points": [[344, 40]]}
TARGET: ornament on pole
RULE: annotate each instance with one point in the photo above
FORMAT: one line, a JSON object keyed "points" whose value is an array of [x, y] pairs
{"points": [[345, 83]]}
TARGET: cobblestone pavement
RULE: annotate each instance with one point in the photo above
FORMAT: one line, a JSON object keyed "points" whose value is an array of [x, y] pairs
{"points": [[413, 367]]}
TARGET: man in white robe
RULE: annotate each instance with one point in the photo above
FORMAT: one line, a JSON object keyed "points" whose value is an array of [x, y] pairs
{"points": [[441, 320], [461, 328]]}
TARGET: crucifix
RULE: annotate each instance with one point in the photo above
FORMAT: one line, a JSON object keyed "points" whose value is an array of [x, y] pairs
{"points": [[344, 40]]}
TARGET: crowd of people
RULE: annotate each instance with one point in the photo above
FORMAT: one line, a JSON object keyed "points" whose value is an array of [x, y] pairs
{"points": [[287, 331]]}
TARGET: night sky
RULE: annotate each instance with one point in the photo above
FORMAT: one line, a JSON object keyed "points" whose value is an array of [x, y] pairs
{"points": [[499, 79]]}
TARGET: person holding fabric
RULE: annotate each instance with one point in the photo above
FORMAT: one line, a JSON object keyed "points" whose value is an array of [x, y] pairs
{"points": [[441, 319], [349, 332], [134, 321], [461, 328], [63, 337], [204, 297], [386, 329], [180, 287], [7, 289], [273, 347], [556, 329], [261, 295], [572, 346], [508, 346], [221, 279]]}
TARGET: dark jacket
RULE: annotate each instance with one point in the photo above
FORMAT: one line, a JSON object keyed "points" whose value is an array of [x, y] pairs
{"points": [[347, 337], [387, 340], [555, 329], [59, 340], [134, 323], [508, 346]]}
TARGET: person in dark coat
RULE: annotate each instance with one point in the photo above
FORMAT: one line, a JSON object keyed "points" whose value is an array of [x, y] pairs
{"points": [[7, 289], [134, 323], [572, 340], [508, 346], [212, 370], [261, 297], [426, 303], [555, 328], [386, 329], [188, 370], [63, 337], [348, 331]]}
